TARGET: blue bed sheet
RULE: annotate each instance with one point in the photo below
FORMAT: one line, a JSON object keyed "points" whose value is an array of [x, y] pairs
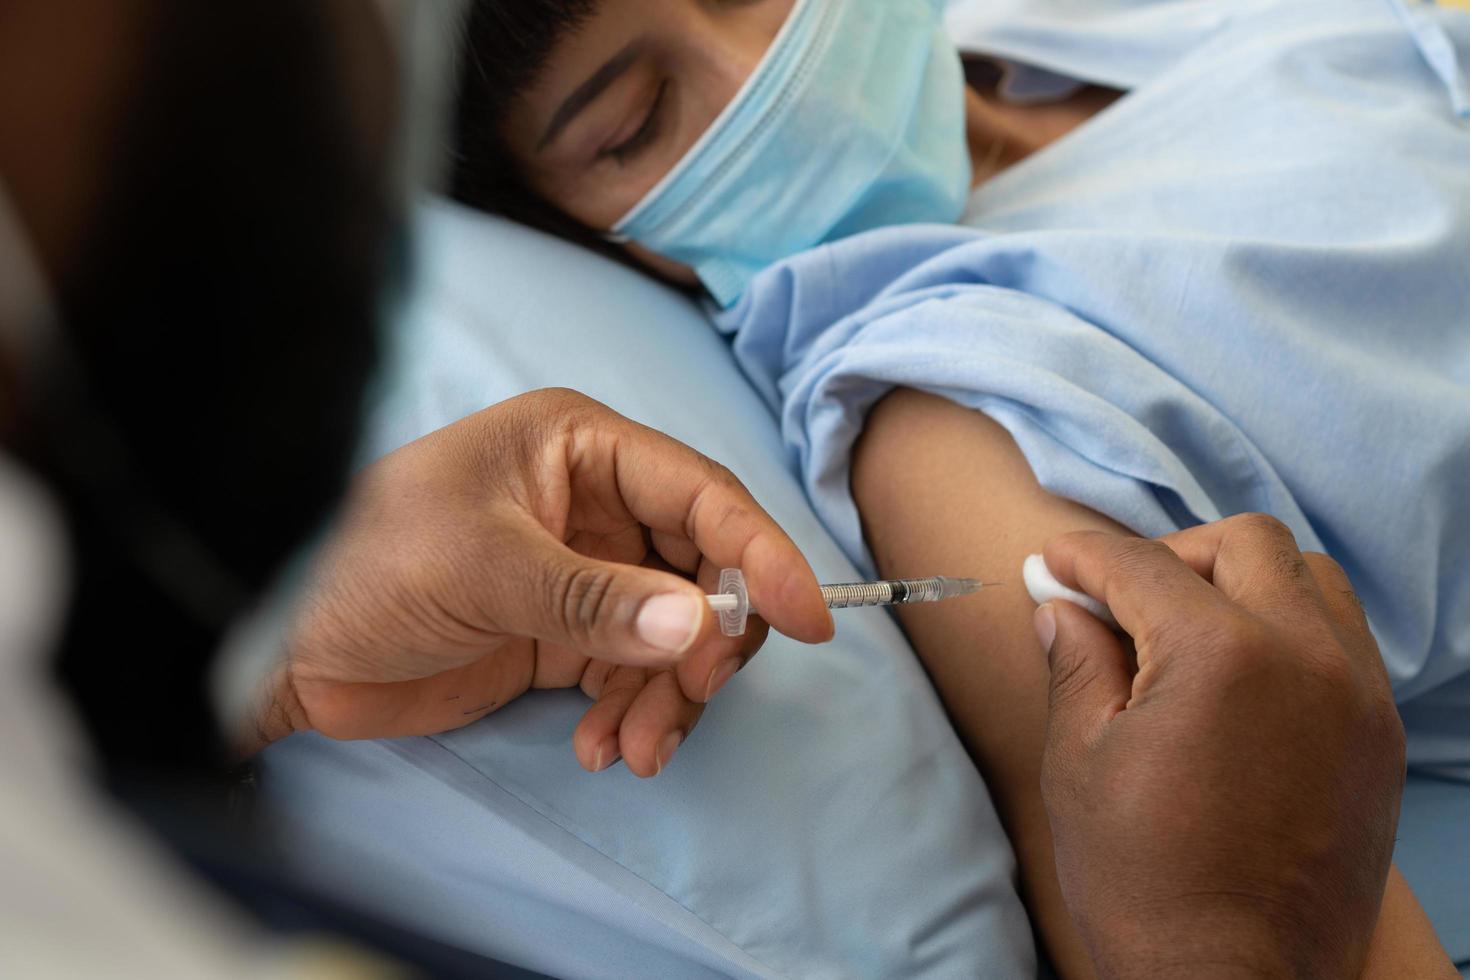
{"points": [[823, 819]]}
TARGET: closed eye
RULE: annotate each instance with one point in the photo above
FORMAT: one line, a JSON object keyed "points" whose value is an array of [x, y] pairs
{"points": [[643, 136]]}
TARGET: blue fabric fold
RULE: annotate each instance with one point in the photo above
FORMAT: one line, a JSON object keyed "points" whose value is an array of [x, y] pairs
{"points": [[1245, 286]]}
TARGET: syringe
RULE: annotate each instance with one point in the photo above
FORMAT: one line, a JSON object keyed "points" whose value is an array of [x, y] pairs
{"points": [[733, 601]]}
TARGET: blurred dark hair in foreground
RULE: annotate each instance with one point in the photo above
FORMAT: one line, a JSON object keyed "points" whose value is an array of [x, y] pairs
{"points": [[219, 329]]}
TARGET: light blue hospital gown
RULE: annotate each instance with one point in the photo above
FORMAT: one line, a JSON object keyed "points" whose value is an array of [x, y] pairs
{"points": [[1245, 286]]}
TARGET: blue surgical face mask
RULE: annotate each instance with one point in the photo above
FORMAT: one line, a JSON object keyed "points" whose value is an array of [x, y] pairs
{"points": [[854, 120]]}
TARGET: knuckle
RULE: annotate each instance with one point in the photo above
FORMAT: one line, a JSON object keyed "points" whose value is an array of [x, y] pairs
{"points": [[585, 592], [559, 398], [1159, 636], [1139, 566], [714, 487], [623, 682], [1275, 542], [1070, 678], [595, 677], [1267, 532], [516, 433], [1142, 550], [718, 476], [1144, 562], [728, 517], [1260, 525], [555, 413], [1287, 563], [1325, 566]]}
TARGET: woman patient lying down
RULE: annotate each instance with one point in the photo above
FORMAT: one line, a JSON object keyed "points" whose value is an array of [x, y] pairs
{"points": [[806, 162]]}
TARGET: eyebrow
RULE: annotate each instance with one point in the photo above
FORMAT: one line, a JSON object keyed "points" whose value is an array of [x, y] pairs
{"points": [[588, 92]]}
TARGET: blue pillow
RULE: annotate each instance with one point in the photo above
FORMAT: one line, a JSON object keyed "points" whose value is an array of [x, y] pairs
{"points": [[823, 819]]}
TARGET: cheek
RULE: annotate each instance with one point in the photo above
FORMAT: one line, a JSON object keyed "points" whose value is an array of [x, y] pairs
{"points": [[598, 194], [703, 80], [596, 197]]}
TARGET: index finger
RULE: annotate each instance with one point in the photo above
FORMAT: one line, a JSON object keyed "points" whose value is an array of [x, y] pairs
{"points": [[670, 487], [1144, 583], [1253, 559]]}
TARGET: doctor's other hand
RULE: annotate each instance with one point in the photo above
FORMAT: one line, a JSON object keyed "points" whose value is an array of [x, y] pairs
{"points": [[544, 542], [1229, 809]]}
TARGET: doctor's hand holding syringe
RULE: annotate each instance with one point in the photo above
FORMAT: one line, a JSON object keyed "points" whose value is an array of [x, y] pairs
{"points": [[1224, 804], [544, 542]]}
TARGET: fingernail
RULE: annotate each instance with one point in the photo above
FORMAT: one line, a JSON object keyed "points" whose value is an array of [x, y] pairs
{"points": [[666, 750], [607, 754], [670, 622], [719, 675], [1045, 621]]}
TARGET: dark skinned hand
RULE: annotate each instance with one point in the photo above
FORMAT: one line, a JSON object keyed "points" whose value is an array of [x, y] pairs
{"points": [[1228, 807], [544, 542]]}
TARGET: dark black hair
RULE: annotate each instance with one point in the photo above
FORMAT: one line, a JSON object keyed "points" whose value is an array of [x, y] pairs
{"points": [[504, 48], [197, 418]]}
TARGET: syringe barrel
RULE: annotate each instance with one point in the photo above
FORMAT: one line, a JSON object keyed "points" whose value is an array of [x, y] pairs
{"points": [[923, 589], [890, 593], [848, 595], [732, 602]]}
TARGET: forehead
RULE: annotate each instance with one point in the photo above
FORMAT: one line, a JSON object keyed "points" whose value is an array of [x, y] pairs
{"points": [[565, 51]]}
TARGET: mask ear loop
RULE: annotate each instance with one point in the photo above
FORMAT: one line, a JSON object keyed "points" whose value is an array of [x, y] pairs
{"points": [[614, 238]]}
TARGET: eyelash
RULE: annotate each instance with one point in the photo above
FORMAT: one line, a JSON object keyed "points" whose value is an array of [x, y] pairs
{"points": [[634, 144]]}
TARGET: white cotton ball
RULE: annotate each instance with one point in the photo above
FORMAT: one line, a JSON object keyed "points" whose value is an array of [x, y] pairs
{"points": [[1044, 587]]}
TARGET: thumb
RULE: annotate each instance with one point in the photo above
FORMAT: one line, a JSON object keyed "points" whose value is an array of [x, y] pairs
{"points": [[613, 611], [1090, 682]]}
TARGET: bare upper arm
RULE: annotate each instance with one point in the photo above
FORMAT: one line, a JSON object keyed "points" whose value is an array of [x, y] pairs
{"points": [[939, 462], [945, 490]]}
